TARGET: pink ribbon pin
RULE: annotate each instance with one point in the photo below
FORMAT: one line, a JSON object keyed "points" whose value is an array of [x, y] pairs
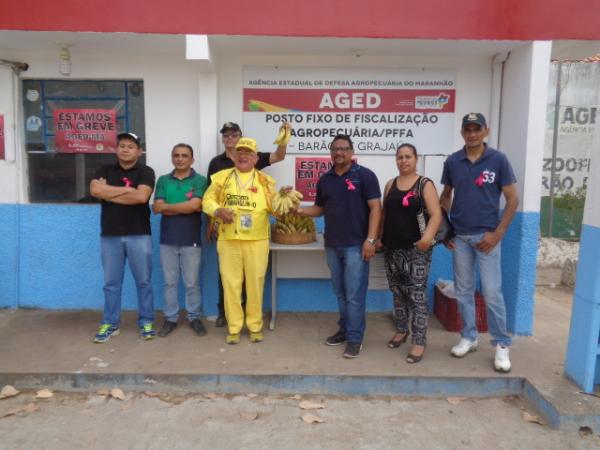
{"points": [[479, 180], [406, 197], [190, 194], [127, 182], [253, 189], [351, 187]]}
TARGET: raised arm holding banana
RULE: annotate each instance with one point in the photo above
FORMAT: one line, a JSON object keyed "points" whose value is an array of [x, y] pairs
{"points": [[231, 133]]}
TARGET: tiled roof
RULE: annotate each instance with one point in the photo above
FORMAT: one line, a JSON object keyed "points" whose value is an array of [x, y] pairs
{"points": [[589, 59]]}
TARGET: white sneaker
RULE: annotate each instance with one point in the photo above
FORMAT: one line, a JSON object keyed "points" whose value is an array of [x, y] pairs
{"points": [[463, 347], [502, 360]]}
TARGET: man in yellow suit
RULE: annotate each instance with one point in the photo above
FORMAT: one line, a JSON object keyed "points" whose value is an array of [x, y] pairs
{"points": [[240, 201]]}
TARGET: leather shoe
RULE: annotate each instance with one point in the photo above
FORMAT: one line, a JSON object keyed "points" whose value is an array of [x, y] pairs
{"points": [[198, 327], [167, 328], [220, 322]]}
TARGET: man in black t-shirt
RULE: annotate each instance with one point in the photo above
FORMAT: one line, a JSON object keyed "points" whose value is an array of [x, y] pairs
{"points": [[125, 189], [230, 135]]}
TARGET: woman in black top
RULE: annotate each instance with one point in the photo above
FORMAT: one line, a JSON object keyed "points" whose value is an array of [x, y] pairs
{"points": [[407, 252]]}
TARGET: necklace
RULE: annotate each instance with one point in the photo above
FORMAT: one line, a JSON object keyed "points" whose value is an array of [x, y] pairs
{"points": [[248, 185]]}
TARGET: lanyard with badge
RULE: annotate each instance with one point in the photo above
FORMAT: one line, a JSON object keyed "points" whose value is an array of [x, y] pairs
{"points": [[245, 215]]}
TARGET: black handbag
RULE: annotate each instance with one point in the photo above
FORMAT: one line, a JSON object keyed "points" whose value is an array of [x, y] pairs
{"points": [[446, 230]]}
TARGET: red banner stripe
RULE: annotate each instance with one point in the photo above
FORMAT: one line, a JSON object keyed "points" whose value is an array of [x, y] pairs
{"points": [[349, 100]]}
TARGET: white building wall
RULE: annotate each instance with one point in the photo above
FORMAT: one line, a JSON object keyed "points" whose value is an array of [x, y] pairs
{"points": [[523, 117], [9, 181], [184, 103], [171, 96], [473, 85]]}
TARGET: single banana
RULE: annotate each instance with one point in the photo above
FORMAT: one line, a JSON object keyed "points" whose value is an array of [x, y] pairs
{"points": [[285, 206], [276, 202]]}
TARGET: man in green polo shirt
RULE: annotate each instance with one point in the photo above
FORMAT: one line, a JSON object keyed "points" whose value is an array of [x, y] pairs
{"points": [[178, 198]]}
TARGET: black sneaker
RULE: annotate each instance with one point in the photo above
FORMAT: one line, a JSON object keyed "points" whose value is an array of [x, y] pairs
{"points": [[167, 328], [352, 349], [220, 322], [198, 327], [337, 339]]}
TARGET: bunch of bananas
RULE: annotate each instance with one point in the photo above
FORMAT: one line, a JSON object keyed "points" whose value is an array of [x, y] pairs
{"points": [[285, 134], [293, 223], [284, 200]]}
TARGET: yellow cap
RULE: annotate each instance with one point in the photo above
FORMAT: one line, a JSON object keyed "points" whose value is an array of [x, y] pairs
{"points": [[247, 143]]}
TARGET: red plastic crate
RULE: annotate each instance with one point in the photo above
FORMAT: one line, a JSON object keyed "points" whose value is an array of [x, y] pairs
{"points": [[446, 310]]}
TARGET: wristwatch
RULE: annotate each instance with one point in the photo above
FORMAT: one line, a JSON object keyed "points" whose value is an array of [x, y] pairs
{"points": [[371, 241]]}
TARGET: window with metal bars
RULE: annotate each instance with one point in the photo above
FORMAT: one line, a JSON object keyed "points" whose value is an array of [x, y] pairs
{"points": [[60, 170]]}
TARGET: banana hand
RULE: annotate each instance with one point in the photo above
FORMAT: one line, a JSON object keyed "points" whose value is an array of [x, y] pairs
{"points": [[285, 134], [280, 136]]}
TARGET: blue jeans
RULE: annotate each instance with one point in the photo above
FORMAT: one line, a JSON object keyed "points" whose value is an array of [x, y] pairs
{"points": [[174, 260], [350, 277], [137, 249], [465, 256]]}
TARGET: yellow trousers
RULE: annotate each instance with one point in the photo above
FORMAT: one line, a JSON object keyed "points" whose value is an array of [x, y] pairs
{"points": [[239, 259]]}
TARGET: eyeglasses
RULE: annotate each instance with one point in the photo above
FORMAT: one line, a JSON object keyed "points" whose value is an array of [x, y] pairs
{"points": [[340, 149], [231, 135]]}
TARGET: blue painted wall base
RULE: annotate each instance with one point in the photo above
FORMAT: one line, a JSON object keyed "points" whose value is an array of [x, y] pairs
{"points": [[582, 364], [52, 260]]}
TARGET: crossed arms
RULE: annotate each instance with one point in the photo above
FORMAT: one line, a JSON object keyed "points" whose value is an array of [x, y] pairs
{"points": [[120, 194]]}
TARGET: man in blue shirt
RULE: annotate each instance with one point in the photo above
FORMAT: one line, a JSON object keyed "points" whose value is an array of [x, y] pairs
{"points": [[178, 198], [349, 197], [478, 175]]}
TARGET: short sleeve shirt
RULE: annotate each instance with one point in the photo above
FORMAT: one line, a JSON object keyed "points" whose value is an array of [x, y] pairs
{"points": [[180, 229], [222, 161], [124, 220], [344, 199], [477, 189]]}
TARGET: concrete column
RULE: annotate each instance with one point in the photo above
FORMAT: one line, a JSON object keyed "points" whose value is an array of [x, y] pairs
{"points": [[209, 147], [521, 138], [582, 363], [209, 126], [10, 190]]}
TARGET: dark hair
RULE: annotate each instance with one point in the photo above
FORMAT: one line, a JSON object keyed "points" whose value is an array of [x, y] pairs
{"points": [[181, 144], [412, 147], [343, 137]]}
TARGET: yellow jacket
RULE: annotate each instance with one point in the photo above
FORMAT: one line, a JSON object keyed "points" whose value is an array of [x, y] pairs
{"points": [[251, 203]]}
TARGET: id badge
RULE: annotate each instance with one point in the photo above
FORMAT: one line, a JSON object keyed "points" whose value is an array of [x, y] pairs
{"points": [[245, 216]]}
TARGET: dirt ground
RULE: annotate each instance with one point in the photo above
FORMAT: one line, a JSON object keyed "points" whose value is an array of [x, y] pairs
{"points": [[149, 420]]}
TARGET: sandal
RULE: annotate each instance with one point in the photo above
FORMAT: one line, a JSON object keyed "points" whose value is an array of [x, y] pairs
{"points": [[413, 359], [393, 343]]}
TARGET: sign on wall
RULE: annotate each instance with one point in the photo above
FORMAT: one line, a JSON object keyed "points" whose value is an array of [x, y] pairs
{"points": [[378, 108], [85, 130], [2, 148], [308, 171]]}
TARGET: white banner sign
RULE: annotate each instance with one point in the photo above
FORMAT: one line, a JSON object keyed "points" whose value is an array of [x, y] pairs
{"points": [[378, 108]]}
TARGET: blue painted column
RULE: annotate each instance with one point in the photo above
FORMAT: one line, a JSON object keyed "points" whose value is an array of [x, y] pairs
{"points": [[583, 351]]}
